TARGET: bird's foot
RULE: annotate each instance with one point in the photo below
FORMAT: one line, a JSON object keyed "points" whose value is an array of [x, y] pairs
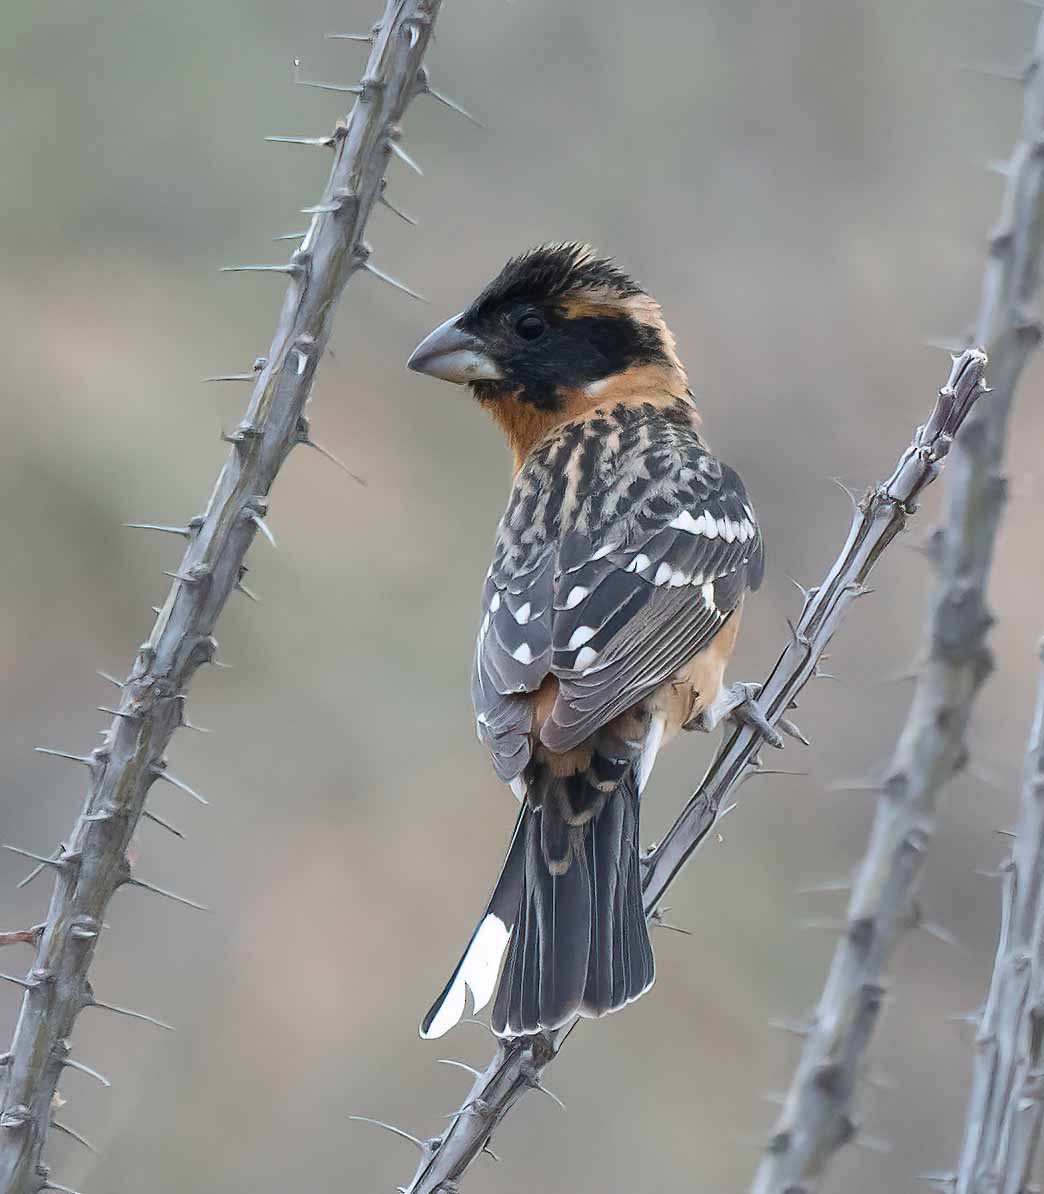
{"points": [[739, 702]]}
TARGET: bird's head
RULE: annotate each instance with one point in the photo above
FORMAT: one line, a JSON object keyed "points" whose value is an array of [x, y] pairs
{"points": [[550, 332]]}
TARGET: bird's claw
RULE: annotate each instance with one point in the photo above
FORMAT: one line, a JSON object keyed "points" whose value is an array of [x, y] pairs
{"points": [[739, 702], [746, 711]]}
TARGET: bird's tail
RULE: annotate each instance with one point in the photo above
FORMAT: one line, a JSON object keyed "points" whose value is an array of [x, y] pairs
{"points": [[567, 908]]}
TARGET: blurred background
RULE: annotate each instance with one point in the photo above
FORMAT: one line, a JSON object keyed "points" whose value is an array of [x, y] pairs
{"points": [[801, 184]]}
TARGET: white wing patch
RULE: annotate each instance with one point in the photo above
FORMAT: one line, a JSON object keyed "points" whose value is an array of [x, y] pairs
{"points": [[523, 653], [584, 658], [580, 635], [477, 972]]}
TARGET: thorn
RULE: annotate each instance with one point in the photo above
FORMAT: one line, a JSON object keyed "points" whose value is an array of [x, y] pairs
{"points": [[241, 588], [403, 156], [18, 982], [67, 1131], [118, 712], [940, 934], [825, 886], [1011, 74], [231, 377], [64, 754], [805, 593], [550, 1094], [344, 88], [459, 1064], [873, 1144], [403, 215], [54, 860], [363, 37], [327, 142], [830, 924], [974, 1017], [111, 679], [365, 1119], [453, 106], [165, 824], [798, 1028], [856, 785], [289, 268], [311, 443], [49, 1185], [162, 773], [379, 273], [264, 528], [292, 235], [844, 488], [657, 919], [489, 1152], [185, 578], [320, 209], [941, 1181], [170, 895], [38, 869], [1006, 832], [69, 1063], [133, 1015]]}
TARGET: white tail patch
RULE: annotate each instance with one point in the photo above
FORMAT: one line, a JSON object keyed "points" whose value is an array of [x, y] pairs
{"points": [[653, 742], [476, 973]]}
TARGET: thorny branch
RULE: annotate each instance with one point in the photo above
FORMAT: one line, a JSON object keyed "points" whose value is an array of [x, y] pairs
{"points": [[94, 863], [519, 1063], [1006, 1104], [817, 1116]]}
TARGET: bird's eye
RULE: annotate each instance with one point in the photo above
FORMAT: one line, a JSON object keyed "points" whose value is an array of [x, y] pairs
{"points": [[530, 327]]}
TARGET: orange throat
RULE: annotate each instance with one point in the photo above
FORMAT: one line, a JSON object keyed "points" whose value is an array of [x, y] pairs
{"points": [[525, 425]]}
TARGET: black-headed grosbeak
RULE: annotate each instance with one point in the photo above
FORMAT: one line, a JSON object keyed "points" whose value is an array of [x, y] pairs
{"points": [[608, 617]]}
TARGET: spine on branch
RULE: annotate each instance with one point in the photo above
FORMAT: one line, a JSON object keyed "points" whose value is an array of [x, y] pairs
{"points": [[1006, 1104], [93, 863], [818, 1115]]}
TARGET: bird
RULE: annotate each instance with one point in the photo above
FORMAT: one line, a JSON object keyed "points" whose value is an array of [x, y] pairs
{"points": [[609, 614]]}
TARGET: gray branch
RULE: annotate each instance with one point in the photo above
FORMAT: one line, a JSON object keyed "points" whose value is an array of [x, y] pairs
{"points": [[519, 1064], [1006, 1104], [817, 1116], [93, 863]]}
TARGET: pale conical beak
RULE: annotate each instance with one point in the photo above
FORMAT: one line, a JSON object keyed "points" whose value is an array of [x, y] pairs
{"points": [[454, 355]]}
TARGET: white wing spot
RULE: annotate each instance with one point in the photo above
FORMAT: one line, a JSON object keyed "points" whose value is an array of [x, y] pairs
{"points": [[640, 562], [663, 574], [580, 635], [576, 594], [523, 654], [678, 578], [584, 658], [494, 604], [708, 594], [727, 529], [604, 550], [686, 522], [522, 614], [710, 527]]}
